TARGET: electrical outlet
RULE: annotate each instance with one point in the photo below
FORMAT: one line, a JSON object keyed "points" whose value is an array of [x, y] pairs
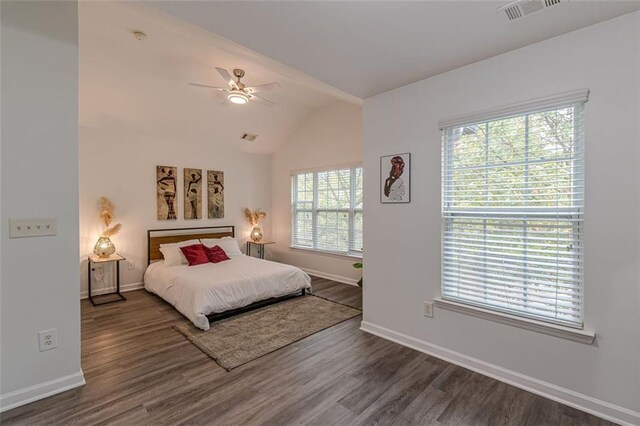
{"points": [[48, 339], [24, 228], [131, 265], [428, 309]]}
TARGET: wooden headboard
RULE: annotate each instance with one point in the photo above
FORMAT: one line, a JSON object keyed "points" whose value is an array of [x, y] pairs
{"points": [[155, 237]]}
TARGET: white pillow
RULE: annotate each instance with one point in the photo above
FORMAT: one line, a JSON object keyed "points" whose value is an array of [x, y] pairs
{"points": [[228, 244], [173, 255]]}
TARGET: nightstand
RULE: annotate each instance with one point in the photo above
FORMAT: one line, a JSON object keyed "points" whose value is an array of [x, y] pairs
{"points": [[94, 260], [260, 245]]}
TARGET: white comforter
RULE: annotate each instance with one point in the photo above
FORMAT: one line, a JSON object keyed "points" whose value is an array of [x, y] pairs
{"points": [[197, 291]]}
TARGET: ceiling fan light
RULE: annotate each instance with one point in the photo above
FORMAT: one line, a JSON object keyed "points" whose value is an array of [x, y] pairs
{"points": [[238, 97]]}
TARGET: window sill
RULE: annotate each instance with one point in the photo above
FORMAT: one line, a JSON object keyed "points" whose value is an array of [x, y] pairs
{"points": [[327, 253], [582, 336]]}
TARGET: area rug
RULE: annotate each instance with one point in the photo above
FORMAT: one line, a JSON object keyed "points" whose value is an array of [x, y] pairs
{"points": [[235, 341]]}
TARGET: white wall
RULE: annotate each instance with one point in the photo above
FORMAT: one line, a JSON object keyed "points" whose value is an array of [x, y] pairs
{"points": [[603, 58], [122, 166], [332, 135], [39, 180]]}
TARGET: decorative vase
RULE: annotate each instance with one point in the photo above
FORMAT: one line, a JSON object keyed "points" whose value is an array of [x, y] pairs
{"points": [[104, 247], [256, 234]]}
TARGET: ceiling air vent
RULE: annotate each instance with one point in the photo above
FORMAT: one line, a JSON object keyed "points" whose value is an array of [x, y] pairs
{"points": [[520, 8], [248, 137]]}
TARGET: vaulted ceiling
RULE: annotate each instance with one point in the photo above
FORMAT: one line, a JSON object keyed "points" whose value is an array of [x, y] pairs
{"points": [[320, 52], [365, 47], [140, 87]]}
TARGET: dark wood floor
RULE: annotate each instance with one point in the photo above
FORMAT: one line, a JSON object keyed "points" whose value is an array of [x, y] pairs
{"points": [[139, 371]]}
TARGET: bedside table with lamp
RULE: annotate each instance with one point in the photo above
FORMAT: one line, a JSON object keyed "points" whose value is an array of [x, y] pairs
{"points": [[260, 245], [104, 298], [254, 218], [105, 252]]}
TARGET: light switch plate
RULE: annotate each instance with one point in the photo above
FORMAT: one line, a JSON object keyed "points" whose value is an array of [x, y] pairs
{"points": [[25, 228]]}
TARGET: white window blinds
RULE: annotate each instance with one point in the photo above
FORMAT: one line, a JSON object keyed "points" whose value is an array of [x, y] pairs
{"points": [[327, 210], [512, 214]]}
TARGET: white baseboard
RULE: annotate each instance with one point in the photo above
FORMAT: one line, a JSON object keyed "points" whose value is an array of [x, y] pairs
{"points": [[123, 288], [332, 277], [562, 395], [33, 393]]}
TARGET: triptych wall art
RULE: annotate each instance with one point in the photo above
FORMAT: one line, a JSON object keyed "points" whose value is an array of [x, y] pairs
{"points": [[215, 189], [192, 193], [167, 189], [167, 193]]}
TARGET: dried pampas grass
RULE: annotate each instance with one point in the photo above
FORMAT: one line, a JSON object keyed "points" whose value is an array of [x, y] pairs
{"points": [[112, 230], [106, 209], [255, 217]]}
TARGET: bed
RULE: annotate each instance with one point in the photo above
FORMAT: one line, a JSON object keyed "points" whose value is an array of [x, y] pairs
{"points": [[211, 291]]}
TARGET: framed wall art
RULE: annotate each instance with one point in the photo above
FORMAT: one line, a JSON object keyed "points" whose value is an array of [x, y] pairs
{"points": [[192, 193], [166, 190], [215, 192], [395, 178]]}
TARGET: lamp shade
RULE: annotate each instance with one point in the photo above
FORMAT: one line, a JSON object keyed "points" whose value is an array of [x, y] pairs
{"points": [[104, 247], [256, 234]]}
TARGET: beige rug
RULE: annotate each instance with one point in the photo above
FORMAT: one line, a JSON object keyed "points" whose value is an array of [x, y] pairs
{"points": [[235, 341]]}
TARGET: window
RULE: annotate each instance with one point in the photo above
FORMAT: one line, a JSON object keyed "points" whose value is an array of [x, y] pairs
{"points": [[512, 213], [327, 211]]}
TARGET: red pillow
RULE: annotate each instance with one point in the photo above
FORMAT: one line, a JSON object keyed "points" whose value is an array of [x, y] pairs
{"points": [[195, 254], [216, 254]]}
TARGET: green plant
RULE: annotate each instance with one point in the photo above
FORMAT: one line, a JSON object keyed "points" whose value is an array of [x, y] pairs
{"points": [[358, 265]]}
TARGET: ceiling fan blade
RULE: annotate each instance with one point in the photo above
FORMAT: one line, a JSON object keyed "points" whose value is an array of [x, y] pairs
{"points": [[262, 87], [261, 100], [227, 77], [222, 89]]}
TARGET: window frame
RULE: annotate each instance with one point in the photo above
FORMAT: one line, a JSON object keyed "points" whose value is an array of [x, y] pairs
{"points": [[574, 99], [352, 211]]}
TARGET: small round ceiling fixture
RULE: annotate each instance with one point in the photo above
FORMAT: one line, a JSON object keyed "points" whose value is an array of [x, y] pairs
{"points": [[139, 35], [238, 97]]}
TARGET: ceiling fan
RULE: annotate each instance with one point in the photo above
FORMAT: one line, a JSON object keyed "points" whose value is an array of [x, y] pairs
{"points": [[237, 92]]}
